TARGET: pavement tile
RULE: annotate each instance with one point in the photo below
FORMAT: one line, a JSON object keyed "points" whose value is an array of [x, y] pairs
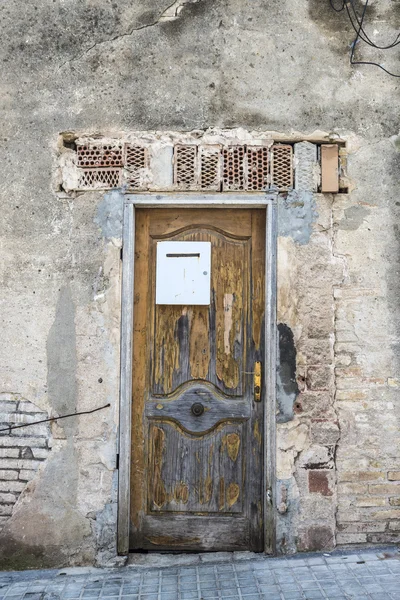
{"points": [[206, 594], [292, 595], [361, 575], [286, 587]]}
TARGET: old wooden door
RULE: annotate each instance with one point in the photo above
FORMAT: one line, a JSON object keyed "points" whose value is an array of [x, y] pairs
{"points": [[197, 443]]}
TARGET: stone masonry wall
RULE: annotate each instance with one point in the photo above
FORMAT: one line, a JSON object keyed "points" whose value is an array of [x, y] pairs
{"points": [[308, 429]]}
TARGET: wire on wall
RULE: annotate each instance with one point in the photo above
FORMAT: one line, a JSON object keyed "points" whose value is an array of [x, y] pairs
{"points": [[357, 22], [9, 428]]}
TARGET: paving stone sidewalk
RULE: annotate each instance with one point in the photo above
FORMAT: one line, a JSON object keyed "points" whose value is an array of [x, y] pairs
{"points": [[365, 575]]}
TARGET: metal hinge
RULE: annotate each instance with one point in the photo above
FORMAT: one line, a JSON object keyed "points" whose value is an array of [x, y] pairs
{"points": [[117, 462]]}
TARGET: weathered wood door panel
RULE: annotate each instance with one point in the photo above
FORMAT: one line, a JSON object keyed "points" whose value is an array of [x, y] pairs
{"points": [[197, 444]]}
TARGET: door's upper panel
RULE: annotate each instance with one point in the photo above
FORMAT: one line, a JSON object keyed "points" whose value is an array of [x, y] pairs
{"points": [[207, 343]]}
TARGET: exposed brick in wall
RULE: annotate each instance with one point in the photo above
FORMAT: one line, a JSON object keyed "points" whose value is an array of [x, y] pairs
{"points": [[367, 389], [22, 450]]}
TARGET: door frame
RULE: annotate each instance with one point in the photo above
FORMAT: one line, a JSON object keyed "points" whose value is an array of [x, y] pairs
{"points": [[194, 200]]}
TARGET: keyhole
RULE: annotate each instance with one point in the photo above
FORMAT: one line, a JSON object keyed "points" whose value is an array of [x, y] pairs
{"points": [[197, 409]]}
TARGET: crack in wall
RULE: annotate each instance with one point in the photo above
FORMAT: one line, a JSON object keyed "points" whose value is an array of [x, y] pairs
{"points": [[342, 259], [170, 13]]}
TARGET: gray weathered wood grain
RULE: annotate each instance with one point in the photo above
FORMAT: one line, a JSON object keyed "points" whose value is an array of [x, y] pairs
{"points": [[270, 379], [216, 408], [126, 379]]}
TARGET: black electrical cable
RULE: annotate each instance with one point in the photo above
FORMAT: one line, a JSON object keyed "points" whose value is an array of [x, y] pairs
{"points": [[83, 412], [357, 24], [360, 28], [332, 3]]}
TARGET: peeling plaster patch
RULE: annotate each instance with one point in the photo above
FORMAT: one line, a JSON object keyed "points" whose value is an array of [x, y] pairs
{"points": [[288, 505], [292, 438], [46, 514], [104, 526], [287, 385], [62, 361], [296, 215], [353, 217], [68, 174], [109, 215], [395, 139], [173, 12]]}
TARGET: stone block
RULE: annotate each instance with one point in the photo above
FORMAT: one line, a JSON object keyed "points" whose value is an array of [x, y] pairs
{"points": [[316, 457], [394, 476], [316, 404], [316, 537], [387, 537], [16, 463], [325, 433], [350, 395], [394, 525], [6, 498], [41, 430], [6, 509], [40, 453], [29, 407], [12, 486], [345, 488], [8, 474], [34, 442], [7, 407], [358, 527], [319, 482], [319, 378], [386, 514], [349, 515], [9, 452], [365, 502], [26, 474], [360, 475], [394, 501], [384, 489], [314, 351], [351, 538]]}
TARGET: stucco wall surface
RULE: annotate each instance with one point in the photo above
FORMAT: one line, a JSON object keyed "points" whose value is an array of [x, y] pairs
{"points": [[103, 68]]}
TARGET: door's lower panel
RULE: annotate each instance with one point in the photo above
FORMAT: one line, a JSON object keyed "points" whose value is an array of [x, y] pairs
{"points": [[193, 533]]}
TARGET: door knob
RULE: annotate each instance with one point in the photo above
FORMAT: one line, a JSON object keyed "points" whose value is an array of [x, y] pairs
{"points": [[197, 409]]}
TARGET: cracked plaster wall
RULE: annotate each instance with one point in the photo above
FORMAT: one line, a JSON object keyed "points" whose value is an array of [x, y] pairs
{"points": [[109, 68]]}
